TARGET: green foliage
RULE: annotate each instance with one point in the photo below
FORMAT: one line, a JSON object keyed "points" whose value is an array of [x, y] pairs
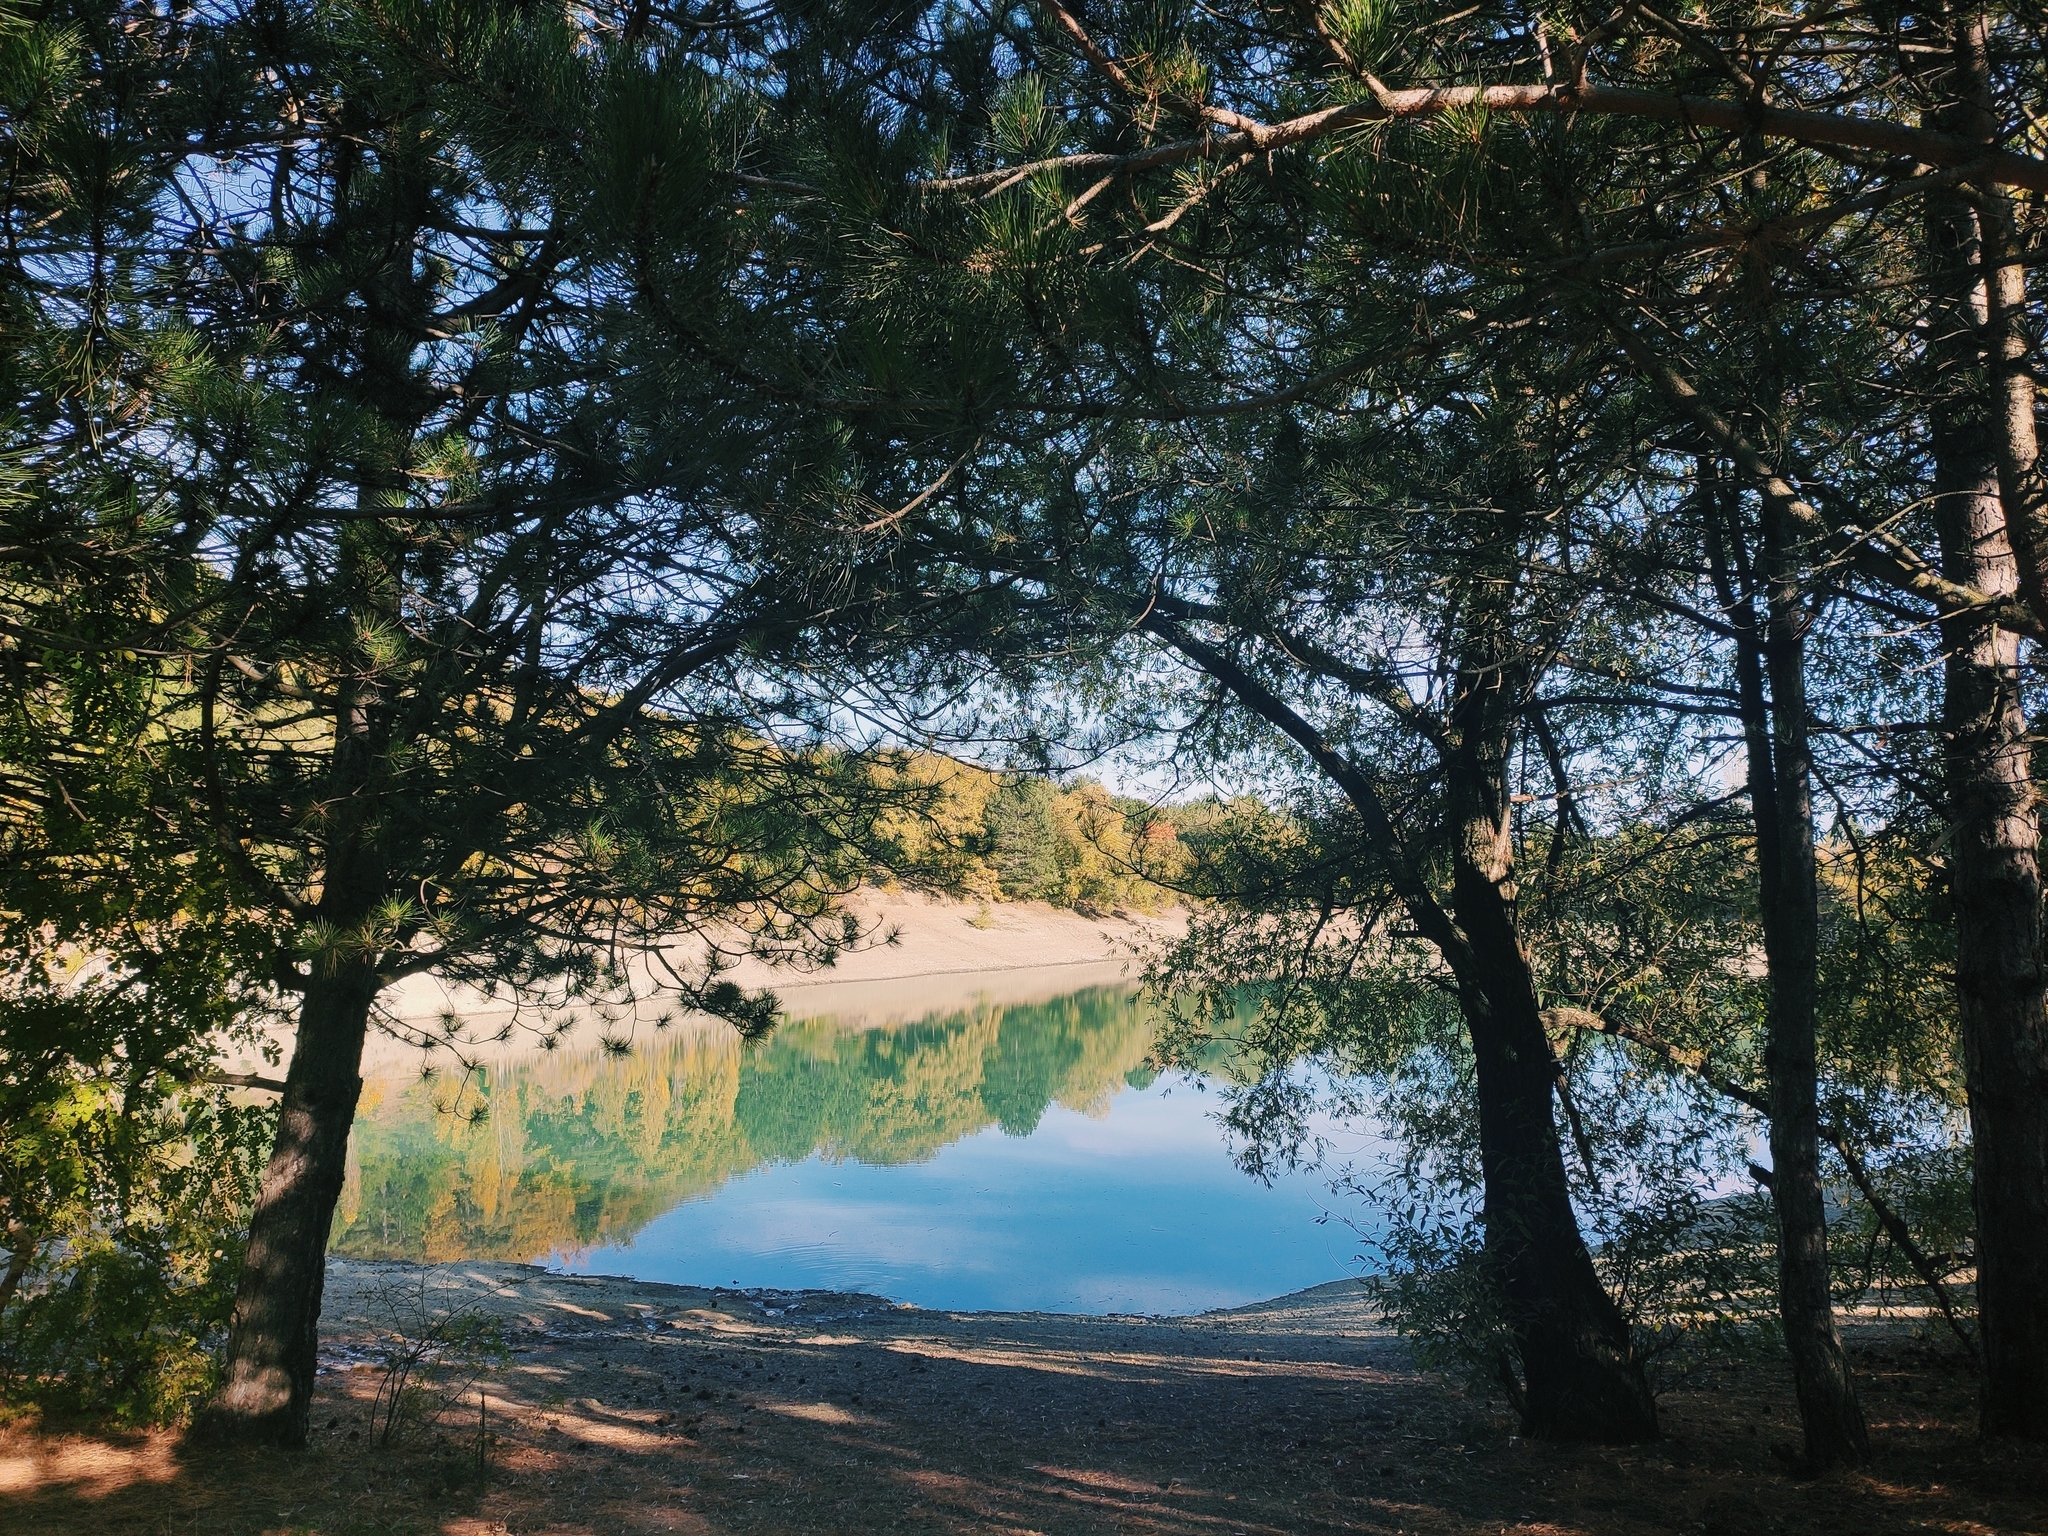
{"points": [[1691, 1266], [1437, 1289], [125, 1183], [380, 592], [1022, 837], [122, 1312], [463, 458], [1888, 1003], [1309, 1011], [1025, 845]]}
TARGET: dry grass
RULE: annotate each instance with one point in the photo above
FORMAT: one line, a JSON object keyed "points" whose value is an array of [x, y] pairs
{"points": [[650, 1409]]}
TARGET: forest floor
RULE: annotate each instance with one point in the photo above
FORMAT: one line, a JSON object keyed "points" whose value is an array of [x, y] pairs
{"points": [[626, 1407]]}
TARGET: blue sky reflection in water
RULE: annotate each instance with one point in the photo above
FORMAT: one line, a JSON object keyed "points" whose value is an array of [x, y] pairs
{"points": [[1139, 1210], [1000, 1154]]}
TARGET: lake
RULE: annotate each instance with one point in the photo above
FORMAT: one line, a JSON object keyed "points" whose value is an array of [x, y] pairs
{"points": [[988, 1153]]}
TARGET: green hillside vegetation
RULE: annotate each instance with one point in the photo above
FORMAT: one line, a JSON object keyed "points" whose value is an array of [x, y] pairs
{"points": [[571, 1150], [1022, 837]]}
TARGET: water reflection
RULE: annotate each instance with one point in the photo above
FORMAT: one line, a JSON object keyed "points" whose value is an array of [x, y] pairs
{"points": [[992, 1155]]}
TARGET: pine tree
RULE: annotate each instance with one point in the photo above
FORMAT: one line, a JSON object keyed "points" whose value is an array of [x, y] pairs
{"points": [[1192, 218], [489, 587]]}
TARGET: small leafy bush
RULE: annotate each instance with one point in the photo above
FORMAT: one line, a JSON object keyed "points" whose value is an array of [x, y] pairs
{"points": [[122, 1313]]}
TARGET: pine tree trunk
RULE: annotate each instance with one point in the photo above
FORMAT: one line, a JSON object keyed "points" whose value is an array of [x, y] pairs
{"points": [[1994, 832], [1780, 773], [1995, 883], [1780, 777], [1829, 1413], [1581, 1379], [271, 1360], [1997, 308]]}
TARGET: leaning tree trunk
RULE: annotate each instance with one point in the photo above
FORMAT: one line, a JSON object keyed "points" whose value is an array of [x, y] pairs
{"points": [[1581, 1378], [267, 1394], [1781, 797], [1994, 833]]}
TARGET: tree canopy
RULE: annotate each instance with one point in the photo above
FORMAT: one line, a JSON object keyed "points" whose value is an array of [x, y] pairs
{"points": [[493, 490]]}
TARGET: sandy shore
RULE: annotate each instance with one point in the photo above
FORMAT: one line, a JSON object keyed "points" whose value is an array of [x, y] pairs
{"points": [[621, 1406], [922, 954], [625, 1407]]}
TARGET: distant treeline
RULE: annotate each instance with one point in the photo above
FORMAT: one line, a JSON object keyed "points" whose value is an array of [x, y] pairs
{"points": [[1025, 837]]}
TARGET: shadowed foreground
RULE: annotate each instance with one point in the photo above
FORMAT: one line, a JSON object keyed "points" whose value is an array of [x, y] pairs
{"points": [[630, 1408]]}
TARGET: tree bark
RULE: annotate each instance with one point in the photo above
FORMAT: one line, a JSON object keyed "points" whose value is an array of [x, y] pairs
{"points": [[1999, 300], [1835, 1431], [1581, 1380], [1995, 881], [1987, 488], [272, 1346], [1581, 1377], [1780, 776]]}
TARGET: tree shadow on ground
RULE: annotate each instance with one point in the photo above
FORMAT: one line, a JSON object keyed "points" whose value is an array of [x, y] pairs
{"points": [[733, 1419]]}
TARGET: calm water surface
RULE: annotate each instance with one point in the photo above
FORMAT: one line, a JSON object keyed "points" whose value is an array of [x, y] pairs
{"points": [[987, 1156]]}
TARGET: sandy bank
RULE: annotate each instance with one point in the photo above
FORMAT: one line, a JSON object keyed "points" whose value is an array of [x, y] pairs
{"points": [[922, 955], [628, 1408], [365, 1299]]}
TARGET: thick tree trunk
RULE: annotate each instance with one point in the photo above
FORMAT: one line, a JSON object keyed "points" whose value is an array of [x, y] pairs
{"points": [[1995, 880], [271, 1360], [1995, 874], [1983, 456], [1581, 1378], [1829, 1413]]}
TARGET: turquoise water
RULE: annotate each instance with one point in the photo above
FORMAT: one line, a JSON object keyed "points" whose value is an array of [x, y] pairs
{"points": [[982, 1157]]}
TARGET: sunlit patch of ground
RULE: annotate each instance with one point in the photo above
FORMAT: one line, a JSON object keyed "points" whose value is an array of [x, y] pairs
{"points": [[81, 1466], [630, 1409]]}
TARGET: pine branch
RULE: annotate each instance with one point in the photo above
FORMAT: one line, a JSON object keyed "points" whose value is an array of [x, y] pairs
{"points": [[1926, 146]]}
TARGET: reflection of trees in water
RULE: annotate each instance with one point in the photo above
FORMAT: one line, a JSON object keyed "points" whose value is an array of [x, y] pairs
{"points": [[583, 1148]]}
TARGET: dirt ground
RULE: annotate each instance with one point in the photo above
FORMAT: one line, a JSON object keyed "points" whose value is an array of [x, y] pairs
{"points": [[628, 1408]]}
